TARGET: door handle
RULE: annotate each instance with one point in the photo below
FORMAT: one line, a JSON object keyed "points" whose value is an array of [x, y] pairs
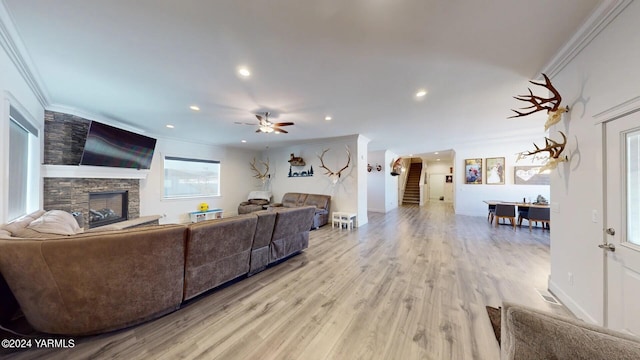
{"points": [[611, 231], [608, 247]]}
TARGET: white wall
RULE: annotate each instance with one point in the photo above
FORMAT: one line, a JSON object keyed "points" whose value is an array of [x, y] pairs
{"points": [[344, 193], [391, 183], [469, 197], [16, 92], [361, 166], [376, 182], [382, 188], [602, 76], [236, 180]]}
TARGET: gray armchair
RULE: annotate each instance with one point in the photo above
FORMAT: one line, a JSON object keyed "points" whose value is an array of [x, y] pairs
{"points": [[256, 201]]}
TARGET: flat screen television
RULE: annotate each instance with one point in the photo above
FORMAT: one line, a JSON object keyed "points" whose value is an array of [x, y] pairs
{"points": [[110, 146]]}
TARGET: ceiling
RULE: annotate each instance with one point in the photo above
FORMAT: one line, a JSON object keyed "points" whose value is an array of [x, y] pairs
{"points": [[143, 63]]}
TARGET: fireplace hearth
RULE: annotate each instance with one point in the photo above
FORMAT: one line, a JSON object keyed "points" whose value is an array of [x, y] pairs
{"points": [[107, 208]]}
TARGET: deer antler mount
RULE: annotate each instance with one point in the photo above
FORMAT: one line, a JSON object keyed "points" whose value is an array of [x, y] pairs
{"points": [[554, 149], [334, 175], [259, 174], [538, 103], [396, 167]]}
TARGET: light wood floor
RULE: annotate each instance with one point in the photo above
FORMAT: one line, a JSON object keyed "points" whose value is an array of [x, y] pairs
{"points": [[411, 284]]}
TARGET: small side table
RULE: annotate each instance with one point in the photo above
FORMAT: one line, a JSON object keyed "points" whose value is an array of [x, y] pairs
{"points": [[198, 216], [345, 219]]}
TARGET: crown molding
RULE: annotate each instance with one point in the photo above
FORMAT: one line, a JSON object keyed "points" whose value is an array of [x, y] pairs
{"points": [[12, 45], [598, 21], [626, 107]]}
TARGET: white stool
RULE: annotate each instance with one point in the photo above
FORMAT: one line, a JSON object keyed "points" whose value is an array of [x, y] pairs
{"points": [[345, 219]]}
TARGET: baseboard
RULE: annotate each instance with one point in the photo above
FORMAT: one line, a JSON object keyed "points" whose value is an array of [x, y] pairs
{"points": [[567, 301], [377, 210]]}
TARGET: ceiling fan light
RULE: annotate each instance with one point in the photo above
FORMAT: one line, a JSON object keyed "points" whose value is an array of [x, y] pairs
{"points": [[244, 72], [266, 129]]}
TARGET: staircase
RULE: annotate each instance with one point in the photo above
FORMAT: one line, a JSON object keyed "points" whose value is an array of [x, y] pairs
{"points": [[412, 188]]}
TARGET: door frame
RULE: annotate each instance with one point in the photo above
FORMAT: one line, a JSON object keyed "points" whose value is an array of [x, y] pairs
{"points": [[600, 120]]}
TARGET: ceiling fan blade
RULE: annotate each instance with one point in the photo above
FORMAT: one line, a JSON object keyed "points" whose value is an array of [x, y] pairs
{"points": [[283, 124], [278, 130], [259, 117], [258, 131]]}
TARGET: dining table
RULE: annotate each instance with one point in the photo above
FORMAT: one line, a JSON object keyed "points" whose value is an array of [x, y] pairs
{"points": [[519, 205]]}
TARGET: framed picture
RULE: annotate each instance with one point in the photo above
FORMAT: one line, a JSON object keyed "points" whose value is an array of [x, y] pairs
{"points": [[529, 175], [494, 171], [448, 178], [473, 171]]}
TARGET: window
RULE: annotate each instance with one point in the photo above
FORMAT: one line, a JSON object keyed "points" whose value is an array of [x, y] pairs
{"points": [[22, 137], [633, 187], [186, 178]]}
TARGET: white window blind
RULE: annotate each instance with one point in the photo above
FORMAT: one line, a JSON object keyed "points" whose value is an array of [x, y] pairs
{"points": [[186, 178], [20, 130]]}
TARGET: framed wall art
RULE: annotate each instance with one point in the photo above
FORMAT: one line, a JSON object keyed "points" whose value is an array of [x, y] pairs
{"points": [[529, 175], [494, 171], [473, 171]]}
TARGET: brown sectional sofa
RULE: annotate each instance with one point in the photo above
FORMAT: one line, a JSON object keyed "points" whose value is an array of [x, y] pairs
{"points": [[100, 281], [210, 260], [96, 282], [321, 202], [281, 232]]}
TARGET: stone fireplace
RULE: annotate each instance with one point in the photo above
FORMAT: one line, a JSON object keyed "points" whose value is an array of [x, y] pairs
{"points": [[68, 187], [107, 207], [73, 195]]}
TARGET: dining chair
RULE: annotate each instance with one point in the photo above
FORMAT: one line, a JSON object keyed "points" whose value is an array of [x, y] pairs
{"points": [[505, 211], [523, 212], [492, 211], [537, 214]]}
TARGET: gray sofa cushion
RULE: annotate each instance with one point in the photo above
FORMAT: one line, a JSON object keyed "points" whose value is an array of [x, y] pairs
{"points": [[533, 334]]}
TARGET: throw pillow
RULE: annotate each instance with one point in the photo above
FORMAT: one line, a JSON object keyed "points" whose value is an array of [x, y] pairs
{"points": [[56, 222], [258, 202], [20, 224], [265, 195]]}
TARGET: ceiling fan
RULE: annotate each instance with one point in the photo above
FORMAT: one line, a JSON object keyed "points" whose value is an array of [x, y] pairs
{"points": [[266, 126]]}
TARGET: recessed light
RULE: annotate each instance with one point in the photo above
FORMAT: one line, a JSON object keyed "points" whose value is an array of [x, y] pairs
{"points": [[421, 93], [437, 159], [170, 126], [243, 141], [328, 118], [244, 72], [194, 107], [436, 153]]}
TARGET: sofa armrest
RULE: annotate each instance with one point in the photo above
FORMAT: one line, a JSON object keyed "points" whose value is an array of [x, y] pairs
{"points": [[532, 334], [276, 205]]}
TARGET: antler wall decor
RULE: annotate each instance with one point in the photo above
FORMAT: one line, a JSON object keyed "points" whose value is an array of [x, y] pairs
{"points": [[260, 175], [538, 103], [334, 175], [396, 167], [554, 149]]}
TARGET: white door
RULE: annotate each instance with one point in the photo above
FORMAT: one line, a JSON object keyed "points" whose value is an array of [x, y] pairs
{"points": [[436, 186], [622, 223]]}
